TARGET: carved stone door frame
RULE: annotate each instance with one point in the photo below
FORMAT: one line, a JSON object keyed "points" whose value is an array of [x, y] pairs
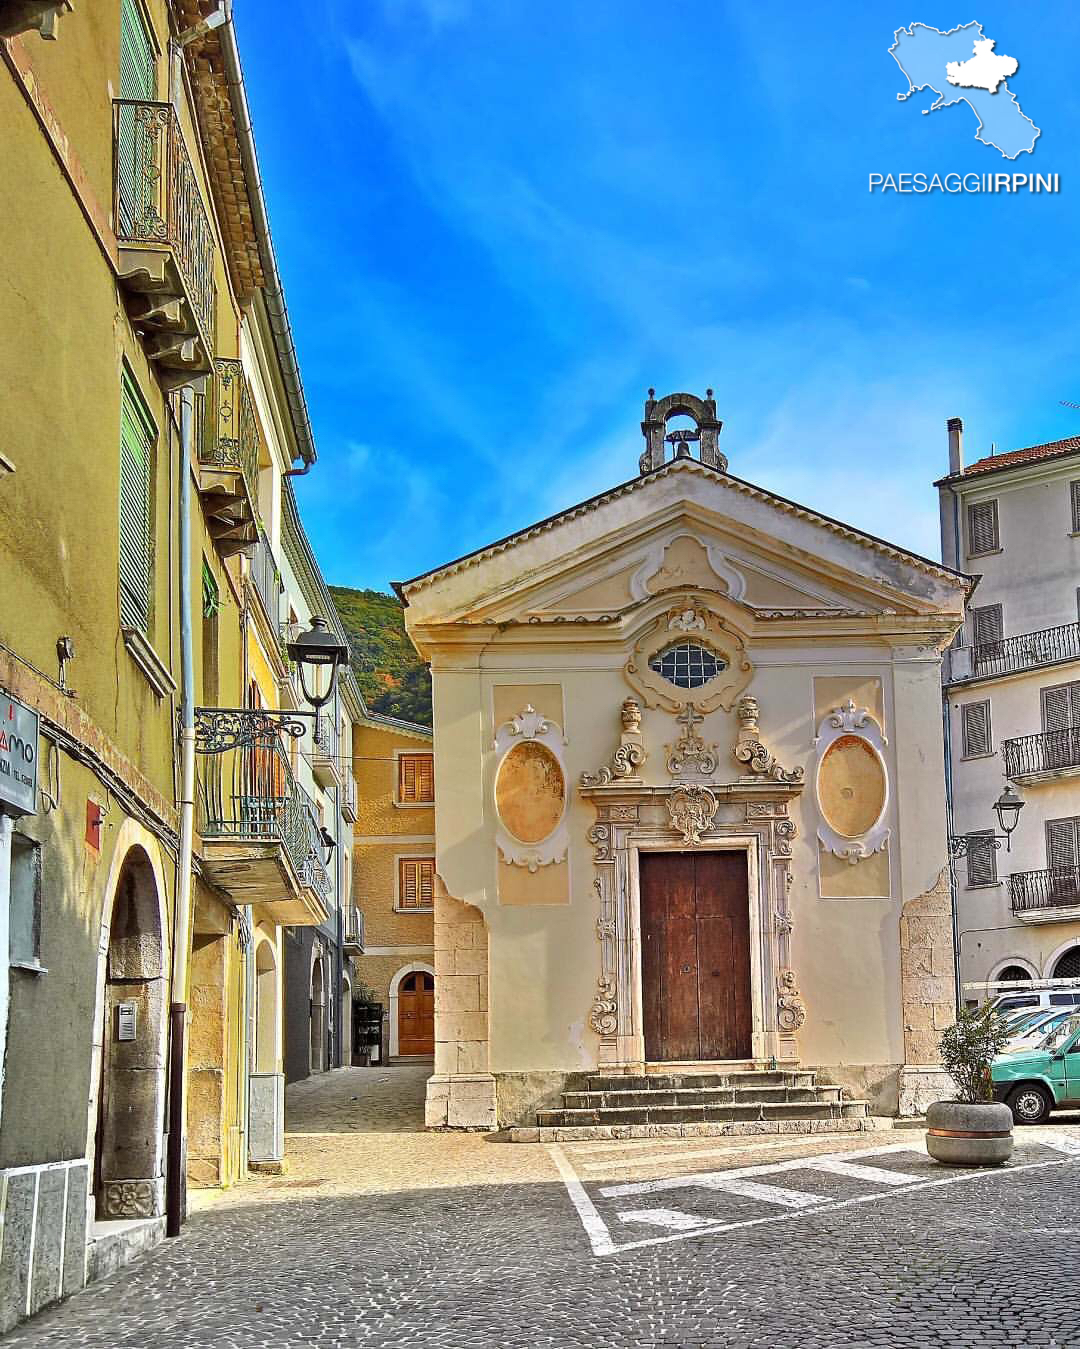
{"points": [[633, 818]]}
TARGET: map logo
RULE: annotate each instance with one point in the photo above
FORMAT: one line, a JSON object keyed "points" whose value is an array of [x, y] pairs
{"points": [[962, 67]]}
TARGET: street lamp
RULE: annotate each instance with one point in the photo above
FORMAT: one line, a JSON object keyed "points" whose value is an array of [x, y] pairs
{"points": [[1007, 808], [318, 655]]}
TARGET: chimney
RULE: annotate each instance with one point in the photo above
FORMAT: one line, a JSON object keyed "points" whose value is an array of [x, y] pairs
{"points": [[956, 444]]}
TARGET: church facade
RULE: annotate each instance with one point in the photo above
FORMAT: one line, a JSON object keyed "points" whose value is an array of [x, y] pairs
{"points": [[691, 810]]}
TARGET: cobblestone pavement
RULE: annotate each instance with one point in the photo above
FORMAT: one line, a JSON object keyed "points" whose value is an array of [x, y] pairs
{"points": [[381, 1234]]}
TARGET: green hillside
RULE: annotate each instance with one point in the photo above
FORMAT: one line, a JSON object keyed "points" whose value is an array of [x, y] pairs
{"points": [[392, 677]]}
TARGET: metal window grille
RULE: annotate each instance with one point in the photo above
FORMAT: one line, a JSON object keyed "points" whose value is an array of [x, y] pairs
{"points": [[687, 665], [983, 527], [975, 728]]}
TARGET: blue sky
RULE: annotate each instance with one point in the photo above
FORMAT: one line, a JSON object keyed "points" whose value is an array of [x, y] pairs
{"points": [[498, 223]]}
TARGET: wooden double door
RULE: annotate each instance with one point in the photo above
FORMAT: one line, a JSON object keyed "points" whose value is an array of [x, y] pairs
{"points": [[695, 955], [416, 1014]]}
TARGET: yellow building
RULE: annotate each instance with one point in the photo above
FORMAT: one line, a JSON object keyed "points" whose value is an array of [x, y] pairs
{"points": [[394, 877], [152, 406]]}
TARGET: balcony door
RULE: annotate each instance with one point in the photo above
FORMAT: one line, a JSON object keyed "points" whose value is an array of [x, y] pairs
{"points": [[1063, 858], [136, 82], [1061, 725]]}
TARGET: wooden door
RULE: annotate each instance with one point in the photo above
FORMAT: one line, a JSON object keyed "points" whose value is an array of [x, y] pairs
{"points": [[695, 941], [416, 1014]]}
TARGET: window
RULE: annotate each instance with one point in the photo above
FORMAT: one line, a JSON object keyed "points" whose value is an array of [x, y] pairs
{"points": [[416, 882], [1074, 489], [416, 779], [975, 727], [983, 528], [1068, 966], [136, 82], [982, 859], [687, 665], [986, 625], [137, 436], [24, 944], [1013, 974], [1061, 707], [211, 604], [1062, 844]]}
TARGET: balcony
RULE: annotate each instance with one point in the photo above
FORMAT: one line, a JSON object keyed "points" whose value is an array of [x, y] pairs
{"points": [[1043, 757], [260, 839], [326, 765], [348, 799], [166, 253], [228, 449], [1012, 655], [1051, 896], [354, 931]]}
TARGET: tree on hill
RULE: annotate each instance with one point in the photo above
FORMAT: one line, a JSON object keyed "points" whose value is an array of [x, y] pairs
{"points": [[392, 677]]}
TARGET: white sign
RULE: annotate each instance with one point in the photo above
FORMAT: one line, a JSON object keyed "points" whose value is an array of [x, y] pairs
{"points": [[18, 758]]}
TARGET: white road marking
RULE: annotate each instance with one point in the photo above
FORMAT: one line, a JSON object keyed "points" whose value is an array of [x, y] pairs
{"points": [[595, 1227], [602, 1243], [666, 1217], [853, 1171], [610, 1163], [1067, 1143], [769, 1194], [706, 1178]]}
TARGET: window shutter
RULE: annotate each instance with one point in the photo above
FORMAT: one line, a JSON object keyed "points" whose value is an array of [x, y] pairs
{"points": [[1075, 490], [136, 81], [983, 527], [1061, 850], [1055, 708], [136, 449], [987, 624], [982, 861], [976, 729], [416, 778], [416, 885]]}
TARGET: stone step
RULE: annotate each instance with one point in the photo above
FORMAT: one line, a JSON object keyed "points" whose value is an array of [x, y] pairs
{"points": [[692, 1081], [704, 1096], [701, 1114], [597, 1133]]}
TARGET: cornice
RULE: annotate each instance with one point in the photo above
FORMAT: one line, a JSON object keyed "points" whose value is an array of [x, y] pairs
{"points": [[847, 532]]}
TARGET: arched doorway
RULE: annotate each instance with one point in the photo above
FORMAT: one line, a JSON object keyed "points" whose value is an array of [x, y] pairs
{"points": [[131, 1101], [416, 1014], [318, 1016], [1067, 965], [346, 1023], [1012, 973], [266, 1109]]}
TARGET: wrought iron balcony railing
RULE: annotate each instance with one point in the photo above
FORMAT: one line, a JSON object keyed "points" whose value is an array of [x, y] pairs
{"points": [[1009, 655], [158, 202], [326, 763], [348, 799], [267, 579], [1056, 887], [1049, 753], [230, 433], [354, 928], [245, 789]]}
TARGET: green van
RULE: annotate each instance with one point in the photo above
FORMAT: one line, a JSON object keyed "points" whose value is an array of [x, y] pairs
{"points": [[1035, 1079]]}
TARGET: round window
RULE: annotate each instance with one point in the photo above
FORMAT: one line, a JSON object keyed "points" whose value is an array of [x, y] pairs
{"points": [[687, 665]]}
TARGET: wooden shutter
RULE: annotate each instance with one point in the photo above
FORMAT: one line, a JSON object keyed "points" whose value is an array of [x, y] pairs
{"points": [[416, 882], [982, 861], [1061, 707], [136, 81], [983, 527], [416, 778], [136, 556], [1074, 488], [1061, 844], [975, 722], [987, 625]]}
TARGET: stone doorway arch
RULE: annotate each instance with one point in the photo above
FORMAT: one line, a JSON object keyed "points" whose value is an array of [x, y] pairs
{"points": [[131, 1099], [318, 1016], [266, 1009], [346, 1023], [266, 1107]]}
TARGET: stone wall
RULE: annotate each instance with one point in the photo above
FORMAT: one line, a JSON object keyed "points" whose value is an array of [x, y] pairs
{"points": [[43, 1214], [461, 1094], [929, 996]]}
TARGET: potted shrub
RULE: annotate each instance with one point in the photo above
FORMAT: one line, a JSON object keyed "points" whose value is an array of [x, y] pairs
{"points": [[974, 1129]]}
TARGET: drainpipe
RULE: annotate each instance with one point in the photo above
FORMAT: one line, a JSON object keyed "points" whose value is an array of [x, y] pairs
{"points": [[181, 951]]}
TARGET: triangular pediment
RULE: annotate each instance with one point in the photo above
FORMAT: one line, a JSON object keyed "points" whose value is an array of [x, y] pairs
{"points": [[684, 527]]}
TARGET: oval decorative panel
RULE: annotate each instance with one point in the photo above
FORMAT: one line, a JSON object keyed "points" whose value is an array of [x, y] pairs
{"points": [[851, 786], [530, 792]]}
